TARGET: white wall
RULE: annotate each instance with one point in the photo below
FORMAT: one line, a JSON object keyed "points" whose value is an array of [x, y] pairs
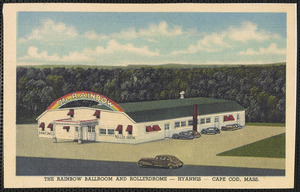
{"points": [[111, 119]]}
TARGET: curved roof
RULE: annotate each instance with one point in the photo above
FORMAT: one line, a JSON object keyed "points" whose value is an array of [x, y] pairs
{"points": [[175, 108]]}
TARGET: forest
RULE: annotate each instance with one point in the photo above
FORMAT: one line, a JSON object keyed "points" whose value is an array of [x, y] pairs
{"points": [[259, 89]]}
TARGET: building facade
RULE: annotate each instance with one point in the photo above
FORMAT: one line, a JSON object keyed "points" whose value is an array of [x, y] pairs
{"points": [[138, 122]]}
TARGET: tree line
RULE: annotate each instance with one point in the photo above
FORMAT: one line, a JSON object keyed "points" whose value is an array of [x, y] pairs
{"points": [[259, 89]]}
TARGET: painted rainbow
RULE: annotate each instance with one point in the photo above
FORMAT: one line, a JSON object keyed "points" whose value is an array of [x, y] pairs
{"points": [[85, 95]]}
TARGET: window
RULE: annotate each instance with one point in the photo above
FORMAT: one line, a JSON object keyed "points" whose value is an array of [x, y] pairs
{"points": [[226, 118], [238, 116], [129, 129], [71, 113], [149, 129], [42, 125], [91, 129], [120, 129], [190, 122], [167, 126], [183, 123], [66, 128], [102, 131], [229, 118], [110, 132], [177, 124], [50, 126], [156, 128], [216, 119], [97, 114], [202, 121], [76, 129], [207, 120]]}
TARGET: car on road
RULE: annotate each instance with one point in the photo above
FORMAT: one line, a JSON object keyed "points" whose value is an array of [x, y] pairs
{"points": [[229, 128], [238, 126], [196, 134], [210, 131], [183, 135], [162, 161]]}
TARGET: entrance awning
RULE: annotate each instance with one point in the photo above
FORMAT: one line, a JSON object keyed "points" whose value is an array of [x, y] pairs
{"points": [[66, 127], [129, 128], [42, 125], [156, 128], [119, 128], [149, 129], [50, 125]]}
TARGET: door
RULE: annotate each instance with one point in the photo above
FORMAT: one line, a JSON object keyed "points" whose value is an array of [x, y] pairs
{"points": [[77, 133], [167, 130], [91, 133], [217, 124]]}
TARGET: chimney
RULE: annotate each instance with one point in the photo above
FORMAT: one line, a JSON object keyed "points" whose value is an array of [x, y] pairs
{"points": [[182, 94], [195, 118]]}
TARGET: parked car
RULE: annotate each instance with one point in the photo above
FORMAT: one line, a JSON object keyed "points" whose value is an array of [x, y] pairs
{"points": [[183, 135], [196, 134], [229, 128], [238, 126], [163, 161], [210, 131]]}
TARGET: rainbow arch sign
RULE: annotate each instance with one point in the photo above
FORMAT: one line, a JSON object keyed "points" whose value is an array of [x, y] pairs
{"points": [[84, 95]]}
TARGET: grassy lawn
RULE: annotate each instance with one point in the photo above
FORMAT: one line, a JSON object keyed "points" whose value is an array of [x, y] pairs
{"points": [[272, 147], [267, 124]]}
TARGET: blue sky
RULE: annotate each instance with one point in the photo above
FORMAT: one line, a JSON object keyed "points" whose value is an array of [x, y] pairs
{"points": [[150, 38]]}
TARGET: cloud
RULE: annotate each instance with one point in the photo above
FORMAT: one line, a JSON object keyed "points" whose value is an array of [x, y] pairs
{"points": [[51, 31], [34, 55], [225, 39], [92, 35], [209, 43], [113, 46], [153, 30], [272, 49], [248, 31], [87, 55]]}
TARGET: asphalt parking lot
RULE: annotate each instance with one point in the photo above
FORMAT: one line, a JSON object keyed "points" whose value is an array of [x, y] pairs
{"points": [[201, 151]]}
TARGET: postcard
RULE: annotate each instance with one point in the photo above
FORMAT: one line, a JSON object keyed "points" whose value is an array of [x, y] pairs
{"points": [[149, 95]]}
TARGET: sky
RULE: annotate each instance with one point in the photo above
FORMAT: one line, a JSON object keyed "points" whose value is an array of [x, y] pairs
{"points": [[111, 38]]}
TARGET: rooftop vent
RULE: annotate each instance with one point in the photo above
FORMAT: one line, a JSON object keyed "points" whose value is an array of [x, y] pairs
{"points": [[182, 94]]}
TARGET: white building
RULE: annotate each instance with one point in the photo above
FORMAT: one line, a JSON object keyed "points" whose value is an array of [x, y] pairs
{"points": [[139, 121]]}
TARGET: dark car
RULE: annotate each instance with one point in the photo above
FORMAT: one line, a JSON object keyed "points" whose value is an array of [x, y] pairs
{"points": [[210, 131], [196, 134], [229, 128], [183, 135], [238, 126], [163, 161]]}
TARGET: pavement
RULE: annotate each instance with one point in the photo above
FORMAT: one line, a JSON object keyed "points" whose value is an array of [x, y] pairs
{"points": [[35, 166], [202, 151]]}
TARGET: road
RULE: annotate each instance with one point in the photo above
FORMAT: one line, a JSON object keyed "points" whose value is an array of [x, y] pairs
{"points": [[202, 151], [32, 166]]}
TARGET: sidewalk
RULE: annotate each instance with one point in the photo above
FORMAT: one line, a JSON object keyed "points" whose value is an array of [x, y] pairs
{"points": [[200, 151]]}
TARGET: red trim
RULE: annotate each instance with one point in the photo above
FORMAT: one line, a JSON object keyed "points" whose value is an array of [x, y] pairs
{"points": [[226, 118], [97, 114], [231, 118], [119, 128], [149, 129], [70, 120], [71, 112], [129, 128], [156, 128]]}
